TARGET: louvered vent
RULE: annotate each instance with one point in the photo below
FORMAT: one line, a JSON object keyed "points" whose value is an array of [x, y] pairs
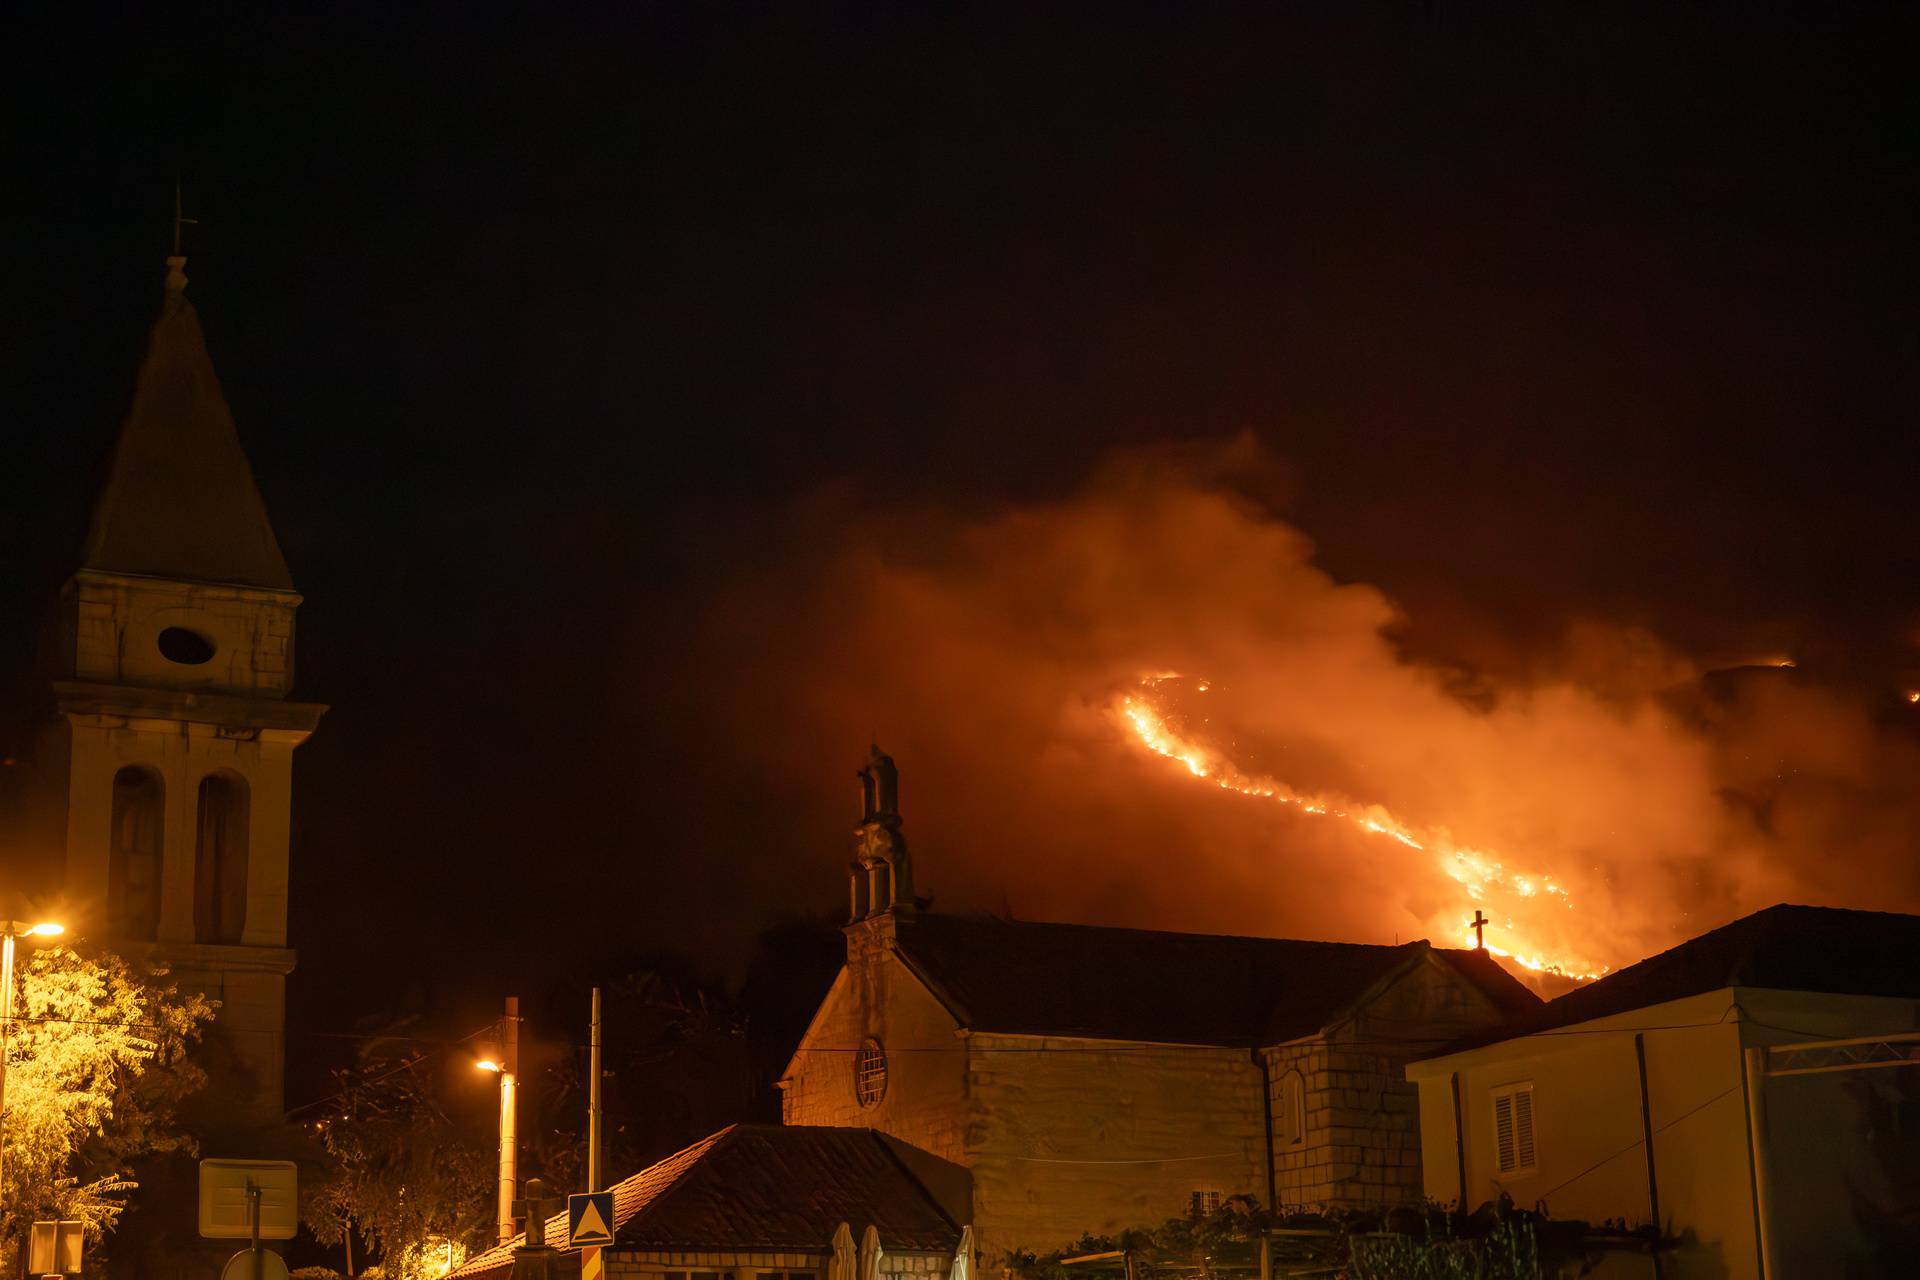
{"points": [[1513, 1128]]}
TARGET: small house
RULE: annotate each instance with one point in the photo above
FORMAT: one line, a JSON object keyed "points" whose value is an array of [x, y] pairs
{"points": [[1755, 1092], [766, 1202]]}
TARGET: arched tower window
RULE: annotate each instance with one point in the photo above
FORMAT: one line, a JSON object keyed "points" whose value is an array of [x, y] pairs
{"points": [[220, 860], [870, 1073], [133, 866]]}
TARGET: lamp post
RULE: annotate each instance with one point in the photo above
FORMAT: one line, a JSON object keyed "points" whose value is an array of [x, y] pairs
{"points": [[506, 1065], [508, 1142], [9, 930]]}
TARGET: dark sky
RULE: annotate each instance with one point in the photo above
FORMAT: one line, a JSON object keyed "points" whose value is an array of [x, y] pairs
{"points": [[542, 329]]}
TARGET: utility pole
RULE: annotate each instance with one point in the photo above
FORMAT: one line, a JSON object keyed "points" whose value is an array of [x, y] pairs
{"points": [[509, 1126], [593, 1101]]}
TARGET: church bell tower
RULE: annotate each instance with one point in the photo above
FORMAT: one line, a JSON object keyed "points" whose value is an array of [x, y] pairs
{"points": [[174, 665], [881, 874]]}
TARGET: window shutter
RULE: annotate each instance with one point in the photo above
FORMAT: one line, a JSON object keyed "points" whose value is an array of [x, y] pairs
{"points": [[1513, 1138], [1523, 1127], [1503, 1131]]}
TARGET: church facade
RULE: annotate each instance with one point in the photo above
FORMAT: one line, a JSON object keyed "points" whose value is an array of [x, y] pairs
{"points": [[163, 771], [1055, 1080]]}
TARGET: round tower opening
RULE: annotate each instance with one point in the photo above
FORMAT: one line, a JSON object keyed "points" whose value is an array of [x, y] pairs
{"points": [[188, 648]]}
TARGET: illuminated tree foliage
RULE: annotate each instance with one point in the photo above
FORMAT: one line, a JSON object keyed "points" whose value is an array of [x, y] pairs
{"points": [[411, 1185], [96, 1070]]}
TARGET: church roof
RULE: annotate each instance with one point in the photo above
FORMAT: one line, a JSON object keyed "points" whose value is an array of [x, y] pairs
{"points": [[1783, 948], [180, 500], [763, 1187], [1102, 983]]}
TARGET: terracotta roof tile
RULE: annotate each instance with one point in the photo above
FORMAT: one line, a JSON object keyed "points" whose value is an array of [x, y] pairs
{"points": [[1134, 984], [763, 1187]]}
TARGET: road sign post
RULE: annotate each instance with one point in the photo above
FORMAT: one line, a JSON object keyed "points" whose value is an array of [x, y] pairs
{"points": [[55, 1248], [590, 1220], [251, 1200], [234, 1194], [590, 1228]]}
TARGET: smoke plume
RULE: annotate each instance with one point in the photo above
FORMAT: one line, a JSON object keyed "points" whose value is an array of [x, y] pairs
{"points": [[1617, 799]]}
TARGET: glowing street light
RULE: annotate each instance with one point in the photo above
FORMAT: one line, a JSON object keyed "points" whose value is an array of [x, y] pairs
{"points": [[502, 1064], [9, 930]]}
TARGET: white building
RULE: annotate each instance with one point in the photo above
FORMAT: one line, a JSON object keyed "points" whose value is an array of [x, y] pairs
{"points": [[1699, 1089]]}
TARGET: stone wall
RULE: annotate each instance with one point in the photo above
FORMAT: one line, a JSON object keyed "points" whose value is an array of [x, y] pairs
{"points": [[1361, 1145], [876, 997], [115, 623], [1071, 1136]]}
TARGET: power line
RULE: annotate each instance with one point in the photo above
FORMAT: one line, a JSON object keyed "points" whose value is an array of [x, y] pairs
{"points": [[1638, 1142]]}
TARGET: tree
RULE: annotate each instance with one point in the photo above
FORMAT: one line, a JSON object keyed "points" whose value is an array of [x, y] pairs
{"points": [[96, 1069], [406, 1180]]}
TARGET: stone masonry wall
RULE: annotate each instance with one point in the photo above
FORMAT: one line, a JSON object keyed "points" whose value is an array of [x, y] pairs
{"points": [[877, 997], [1071, 1136], [116, 622], [1361, 1145]]}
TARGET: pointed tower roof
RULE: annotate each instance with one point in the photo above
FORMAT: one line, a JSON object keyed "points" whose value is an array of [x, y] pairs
{"points": [[180, 500]]}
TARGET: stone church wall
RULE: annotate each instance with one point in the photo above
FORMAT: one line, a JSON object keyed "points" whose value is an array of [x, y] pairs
{"points": [[1074, 1136], [875, 997], [1361, 1145]]}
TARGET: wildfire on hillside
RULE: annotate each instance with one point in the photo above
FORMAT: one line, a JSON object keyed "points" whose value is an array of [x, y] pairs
{"points": [[1485, 880], [1319, 771]]}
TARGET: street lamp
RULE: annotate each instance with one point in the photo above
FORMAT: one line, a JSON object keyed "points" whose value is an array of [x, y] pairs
{"points": [[9, 930], [508, 1143]]}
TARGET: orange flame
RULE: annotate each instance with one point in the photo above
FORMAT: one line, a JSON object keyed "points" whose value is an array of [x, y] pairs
{"points": [[1480, 875]]}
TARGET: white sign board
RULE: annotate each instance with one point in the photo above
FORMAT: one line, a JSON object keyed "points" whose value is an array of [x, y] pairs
{"points": [[54, 1248], [226, 1202]]}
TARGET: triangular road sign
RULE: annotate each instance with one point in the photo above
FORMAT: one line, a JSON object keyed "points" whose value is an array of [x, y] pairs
{"points": [[589, 1219]]}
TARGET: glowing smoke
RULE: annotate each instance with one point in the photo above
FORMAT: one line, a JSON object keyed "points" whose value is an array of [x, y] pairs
{"points": [[994, 656]]}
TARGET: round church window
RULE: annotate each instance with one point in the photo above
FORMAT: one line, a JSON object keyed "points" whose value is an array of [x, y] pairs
{"points": [[188, 648], [870, 1073]]}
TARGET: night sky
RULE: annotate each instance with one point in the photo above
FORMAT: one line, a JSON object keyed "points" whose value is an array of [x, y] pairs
{"points": [[555, 337]]}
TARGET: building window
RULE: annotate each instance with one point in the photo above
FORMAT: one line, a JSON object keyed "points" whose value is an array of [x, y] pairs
{"points": [[133, 865], [220, 860], [870, 1073], [1513, 1144], [1290, 1125], [1202, 1203]]}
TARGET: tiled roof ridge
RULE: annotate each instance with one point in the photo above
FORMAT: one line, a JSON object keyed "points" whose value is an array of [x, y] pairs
{"points": [[1753, 951], [1756, 929], [982, 917], [893, 1157], [501, 1254]]}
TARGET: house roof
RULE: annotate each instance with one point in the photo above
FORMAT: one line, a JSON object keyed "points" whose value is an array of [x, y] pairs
{"points": [[180, 499], [763, 1187], [1102, 983], [1783, 948]]}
